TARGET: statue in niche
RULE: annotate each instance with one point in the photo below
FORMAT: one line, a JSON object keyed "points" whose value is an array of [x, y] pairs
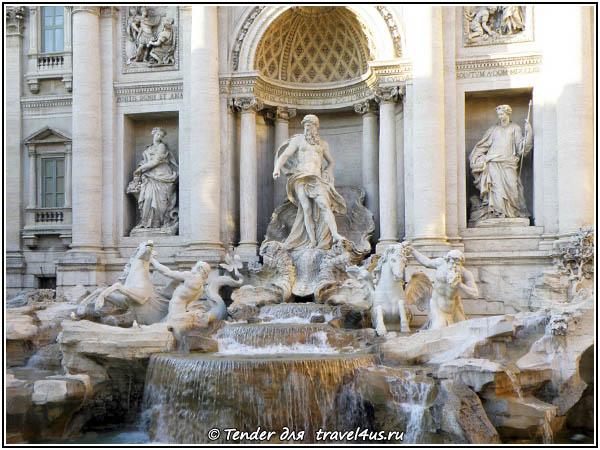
{"points": [[493, 23], [310, 187], [152, 47], [496, 162], [154, 186], [451, 280]]}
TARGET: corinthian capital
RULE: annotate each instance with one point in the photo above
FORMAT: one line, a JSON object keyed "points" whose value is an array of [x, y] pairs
{"points": [[368, 106], [389, 94], [244, 104], [14, 20]]}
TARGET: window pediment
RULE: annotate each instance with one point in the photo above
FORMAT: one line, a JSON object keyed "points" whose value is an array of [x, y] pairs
{"points": [[47, 135]]}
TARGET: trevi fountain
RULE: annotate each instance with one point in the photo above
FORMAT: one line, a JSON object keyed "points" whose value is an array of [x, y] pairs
{"points": [[427, 263]]}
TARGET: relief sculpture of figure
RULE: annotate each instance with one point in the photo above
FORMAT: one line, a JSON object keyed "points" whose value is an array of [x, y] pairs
{"points": [[154, 186], [162, 48], [451, 280], [512, 19], [310, 188], [141, 30], [495, 164], [479, 21]]}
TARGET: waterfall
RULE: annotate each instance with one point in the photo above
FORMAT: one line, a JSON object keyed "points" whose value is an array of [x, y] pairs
{"points": [[295, 312], [270, 338], [188, 395], [414, 396]]}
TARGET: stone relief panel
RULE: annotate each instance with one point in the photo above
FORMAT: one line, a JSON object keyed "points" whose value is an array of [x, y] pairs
{"points": [[150, 38], [488, 25]]}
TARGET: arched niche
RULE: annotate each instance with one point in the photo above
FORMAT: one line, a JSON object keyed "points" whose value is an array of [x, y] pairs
{"points": [[316, 76]]}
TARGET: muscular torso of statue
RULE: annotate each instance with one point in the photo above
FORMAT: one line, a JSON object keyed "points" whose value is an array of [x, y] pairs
{"points": [[310, 157], [188, 291], [445, 294]]}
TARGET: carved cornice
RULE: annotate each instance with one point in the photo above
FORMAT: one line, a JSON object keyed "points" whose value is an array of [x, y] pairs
{"points": [[366, 107], [392, 73], [239, 40], [149, 92], [14, 20], [498, 67], [87, 9], [247, 104], [296, 95], [393, 29], [46, 106]]}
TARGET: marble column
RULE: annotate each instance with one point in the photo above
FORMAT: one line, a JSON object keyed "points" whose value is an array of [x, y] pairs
{"points": [[248, 106], [429, 167], [282, 118], [575, 118], [87, 183], [13, 73], [388, 184], [202, 173], [370, 157]]}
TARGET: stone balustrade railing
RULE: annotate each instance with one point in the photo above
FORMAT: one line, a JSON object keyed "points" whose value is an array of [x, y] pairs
{"points": [[50, 62]]}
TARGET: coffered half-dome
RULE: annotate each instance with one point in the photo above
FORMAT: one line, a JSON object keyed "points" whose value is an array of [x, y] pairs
{"points": [[313, 44]]}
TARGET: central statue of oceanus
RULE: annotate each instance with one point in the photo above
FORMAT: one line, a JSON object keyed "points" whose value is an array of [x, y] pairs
{"points": [[310, 188]]}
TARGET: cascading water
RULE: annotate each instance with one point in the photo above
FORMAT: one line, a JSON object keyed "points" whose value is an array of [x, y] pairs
{"points": [[295, 312], [284, 373], [282, 338], [414, 396], [188, 395]]}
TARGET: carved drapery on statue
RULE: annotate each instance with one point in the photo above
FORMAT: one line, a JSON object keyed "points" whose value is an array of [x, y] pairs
{"points": [[154, 186], [496, 162]]}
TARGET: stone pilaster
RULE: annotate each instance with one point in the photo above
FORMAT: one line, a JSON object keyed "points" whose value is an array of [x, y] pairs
{"points": [[388, 184], [13, 73], [201, 171], [428, 153], [87, 177], [248, 106], [370, 158], [574, 118]]}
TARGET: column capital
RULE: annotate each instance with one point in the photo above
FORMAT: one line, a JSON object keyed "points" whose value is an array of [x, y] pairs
{"points": [[247, 104], [388, 94], [14, 20], [280, 113], [87, 9], [366, 107]]}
